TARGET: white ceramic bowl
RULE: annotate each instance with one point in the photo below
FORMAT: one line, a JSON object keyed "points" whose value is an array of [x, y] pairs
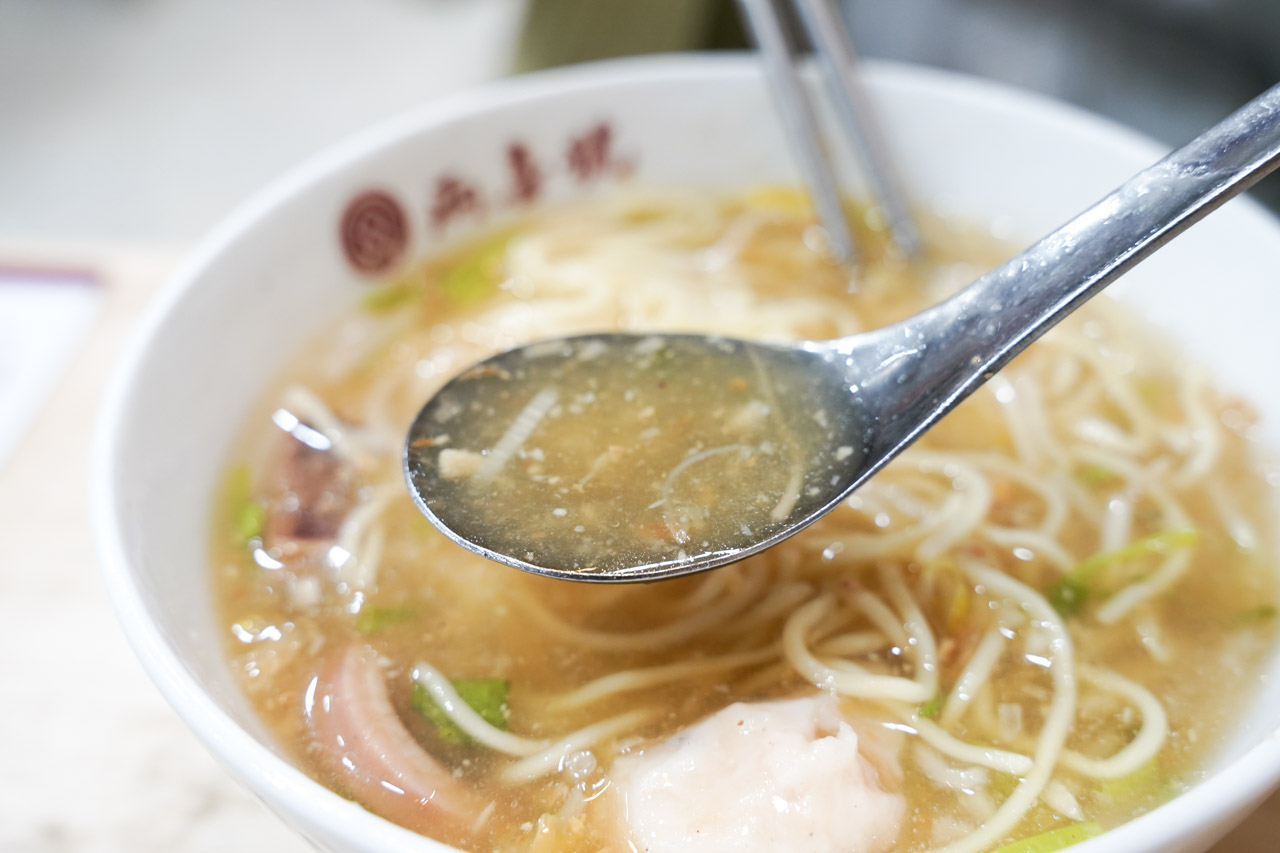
{"points": [[285, 264]]}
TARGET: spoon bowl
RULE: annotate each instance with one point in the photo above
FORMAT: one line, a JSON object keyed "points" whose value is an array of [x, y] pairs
{"points": [[674, 454], [595, 467]]}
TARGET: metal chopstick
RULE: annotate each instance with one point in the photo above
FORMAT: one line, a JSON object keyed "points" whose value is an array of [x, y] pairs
{"points": [[762, 20], [838, 65], [836, 61]]}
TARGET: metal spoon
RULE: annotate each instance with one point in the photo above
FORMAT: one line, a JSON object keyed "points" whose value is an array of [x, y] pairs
{"points": [[490, 459]]}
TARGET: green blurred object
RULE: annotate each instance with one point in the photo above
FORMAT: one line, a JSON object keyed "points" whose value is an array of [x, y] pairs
{"points": [[560, 32]]}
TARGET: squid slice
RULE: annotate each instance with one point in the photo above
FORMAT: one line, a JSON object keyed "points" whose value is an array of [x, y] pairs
{"points": [[360, 740]]}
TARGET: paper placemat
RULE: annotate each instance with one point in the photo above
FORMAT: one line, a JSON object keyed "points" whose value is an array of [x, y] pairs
{"points": [[45, 313]]}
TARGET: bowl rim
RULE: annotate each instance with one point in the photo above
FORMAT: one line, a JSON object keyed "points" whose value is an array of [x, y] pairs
{"points": [[295, 796]]}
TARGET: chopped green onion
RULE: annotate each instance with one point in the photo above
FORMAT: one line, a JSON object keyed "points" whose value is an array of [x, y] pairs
{"points": [[486, 696], [1092, 475], [372, 619], [246, 516], [929, 710], [1068, 596], [477, 273], [249, 522], [1071, 591], [1254, 616], [391, 296], [1003, 785], [1054, 839], [1145, 783], [961, 603]]}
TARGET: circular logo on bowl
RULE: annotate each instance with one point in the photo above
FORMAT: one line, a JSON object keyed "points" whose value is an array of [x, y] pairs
{"points": [[374, 232]]}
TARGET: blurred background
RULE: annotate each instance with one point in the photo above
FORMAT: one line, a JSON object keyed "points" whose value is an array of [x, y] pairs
{"points": [[146, 120]]}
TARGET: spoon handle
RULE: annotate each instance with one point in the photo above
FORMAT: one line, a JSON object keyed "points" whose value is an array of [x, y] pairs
{"points": [[934, 360]]}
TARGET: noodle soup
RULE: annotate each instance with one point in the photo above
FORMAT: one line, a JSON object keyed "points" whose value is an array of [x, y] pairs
{"points": [[1005, 635]]}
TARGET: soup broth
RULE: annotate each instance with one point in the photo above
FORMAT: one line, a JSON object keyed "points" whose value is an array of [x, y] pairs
{"points": [[602, 458], [1009, 633]]}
